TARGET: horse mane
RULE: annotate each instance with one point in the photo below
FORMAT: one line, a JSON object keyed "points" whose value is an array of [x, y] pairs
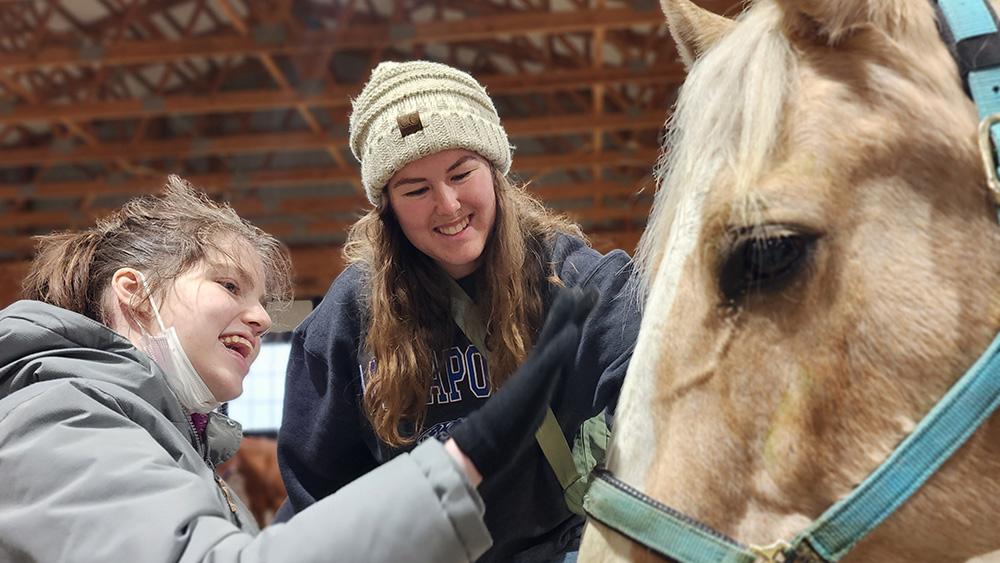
{"points": [[742, 79]]}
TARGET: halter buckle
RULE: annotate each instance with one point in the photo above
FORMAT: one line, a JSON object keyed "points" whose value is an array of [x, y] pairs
{"points": [[988, 152], [774, 553]]}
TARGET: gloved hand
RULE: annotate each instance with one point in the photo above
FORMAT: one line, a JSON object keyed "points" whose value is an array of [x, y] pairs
{"points": [[507, 422]]}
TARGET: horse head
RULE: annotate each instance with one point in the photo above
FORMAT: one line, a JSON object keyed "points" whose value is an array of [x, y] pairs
{"points": [[820, 266]]}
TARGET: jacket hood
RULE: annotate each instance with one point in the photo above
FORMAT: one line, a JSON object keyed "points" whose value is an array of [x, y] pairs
{"points": [[41, 342]]}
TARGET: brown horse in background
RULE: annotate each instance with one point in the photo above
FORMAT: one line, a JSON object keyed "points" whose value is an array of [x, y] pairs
{"points": [[254, 476]]}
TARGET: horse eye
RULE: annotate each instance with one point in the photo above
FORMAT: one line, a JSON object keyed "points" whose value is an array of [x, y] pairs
{"points": [[761, 261]]}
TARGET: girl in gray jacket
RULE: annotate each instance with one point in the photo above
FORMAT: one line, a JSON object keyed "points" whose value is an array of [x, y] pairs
{"points": [[112, 373]]}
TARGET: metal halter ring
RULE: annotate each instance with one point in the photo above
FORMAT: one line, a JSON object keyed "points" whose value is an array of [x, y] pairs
{"points": [[988, 151]]}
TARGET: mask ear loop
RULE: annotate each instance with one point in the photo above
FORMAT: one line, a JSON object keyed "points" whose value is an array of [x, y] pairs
{"points": [[156, 310]]}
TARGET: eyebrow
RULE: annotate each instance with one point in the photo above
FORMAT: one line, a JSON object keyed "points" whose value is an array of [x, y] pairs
{"points": [[458, 163], [246, 282], [236, 270]]}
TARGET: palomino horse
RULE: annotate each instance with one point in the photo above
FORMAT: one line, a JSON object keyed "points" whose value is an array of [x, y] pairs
{"points": [[821, 265]]}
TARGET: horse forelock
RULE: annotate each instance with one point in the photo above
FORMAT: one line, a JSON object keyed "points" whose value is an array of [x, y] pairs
{"points": [[742, 82]]}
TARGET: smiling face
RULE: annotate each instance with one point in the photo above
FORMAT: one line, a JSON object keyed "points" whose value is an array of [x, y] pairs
{"points": [[216, 309], [446, 205]]}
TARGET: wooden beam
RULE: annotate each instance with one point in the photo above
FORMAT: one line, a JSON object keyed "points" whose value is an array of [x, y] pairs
{"points": [[211, 183], [357, 36], [216, 182], [295, 141], [339, 96]]}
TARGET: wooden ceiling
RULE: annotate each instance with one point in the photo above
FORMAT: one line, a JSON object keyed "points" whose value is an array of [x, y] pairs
{"points": [[249, 100]]}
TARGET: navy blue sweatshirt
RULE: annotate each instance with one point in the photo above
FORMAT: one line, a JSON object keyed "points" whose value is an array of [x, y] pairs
{"points": [[326, 441]]}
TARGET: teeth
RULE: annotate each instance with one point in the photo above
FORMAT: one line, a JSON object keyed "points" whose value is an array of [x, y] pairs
{"points": [[456, 229], [237, 340]]}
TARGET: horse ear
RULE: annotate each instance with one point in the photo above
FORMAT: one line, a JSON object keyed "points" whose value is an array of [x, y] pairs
{"points": [[831, 21], [694, 29]]}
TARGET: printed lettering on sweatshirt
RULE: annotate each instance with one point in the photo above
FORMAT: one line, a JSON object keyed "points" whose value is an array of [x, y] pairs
{"points": [[465, 375]]}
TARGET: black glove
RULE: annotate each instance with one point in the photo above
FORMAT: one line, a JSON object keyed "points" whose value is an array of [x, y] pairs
{"points": [[507, 422]]}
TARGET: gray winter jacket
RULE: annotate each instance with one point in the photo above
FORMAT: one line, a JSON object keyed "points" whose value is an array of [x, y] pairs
{"points": [[99, 463]]}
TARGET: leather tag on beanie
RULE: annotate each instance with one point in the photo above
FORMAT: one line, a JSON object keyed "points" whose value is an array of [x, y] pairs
{"points": [[409, 123]]}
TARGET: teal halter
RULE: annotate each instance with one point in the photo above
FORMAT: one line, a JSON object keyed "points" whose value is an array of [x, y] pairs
{"points": [[970, 28]]}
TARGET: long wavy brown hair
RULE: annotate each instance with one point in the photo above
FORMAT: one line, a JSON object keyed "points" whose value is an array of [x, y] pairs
{"points": [[410, 314]]}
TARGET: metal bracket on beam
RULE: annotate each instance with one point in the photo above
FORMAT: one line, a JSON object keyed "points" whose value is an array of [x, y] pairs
{"points": [[271, 204], [637, 65], [91, 52], [200, 145], [269, 34], [402, 31], [339, 131], [240, 180], [311, 87], [153, 104], [645, 5], [116, 178], [300, 228], [63, 145]]}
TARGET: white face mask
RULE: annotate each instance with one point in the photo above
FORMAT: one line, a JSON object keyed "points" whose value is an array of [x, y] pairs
{"points": [[166, 350]]}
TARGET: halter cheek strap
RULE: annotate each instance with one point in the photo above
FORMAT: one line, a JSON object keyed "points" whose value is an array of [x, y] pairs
{"points": [[969, 28]]}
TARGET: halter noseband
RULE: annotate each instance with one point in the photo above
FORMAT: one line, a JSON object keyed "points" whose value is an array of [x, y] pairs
{"points": [[970, 29]]}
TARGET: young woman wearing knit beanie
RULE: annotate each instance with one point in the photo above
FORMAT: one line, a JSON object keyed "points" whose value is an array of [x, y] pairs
{"points": [[450, 278]]}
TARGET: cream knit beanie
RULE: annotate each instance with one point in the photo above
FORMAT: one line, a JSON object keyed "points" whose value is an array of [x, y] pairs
{"points": [[414, 109]]}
